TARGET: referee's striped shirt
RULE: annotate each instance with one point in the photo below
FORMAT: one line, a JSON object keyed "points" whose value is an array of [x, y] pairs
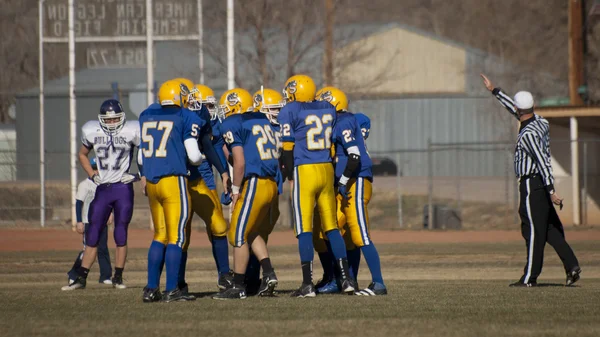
{"points": [[532, 152]]}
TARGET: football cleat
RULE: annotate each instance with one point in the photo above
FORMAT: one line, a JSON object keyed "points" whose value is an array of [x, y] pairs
{"points": [[348, 287], [329, 288], [573, 276], [185, 291], [374, 289], [521, 284], [268, 284], [225, 280], [117, 282], [78, 283], [176, 295], [305, 290], [233, 293], [151, 295], [107, 282], [322, 282]]}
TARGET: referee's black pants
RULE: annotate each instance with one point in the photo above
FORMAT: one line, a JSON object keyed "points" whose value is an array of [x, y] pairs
{"points": [[540, 224]]}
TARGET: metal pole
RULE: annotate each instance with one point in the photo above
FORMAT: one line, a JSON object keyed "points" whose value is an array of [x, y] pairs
{"points": [[200, 41], [458, 173], [399, 189], [575, 171], [584, 194], [149, 53], [429, 185], [72, 108], [42, 140], [230, 46]]}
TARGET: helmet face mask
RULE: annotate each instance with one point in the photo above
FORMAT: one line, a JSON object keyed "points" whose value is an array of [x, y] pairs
{"points": [[111, 117]]}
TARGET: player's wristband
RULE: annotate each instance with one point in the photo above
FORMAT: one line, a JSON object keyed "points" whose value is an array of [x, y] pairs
{"points": [[344, 180], [235, 189]]}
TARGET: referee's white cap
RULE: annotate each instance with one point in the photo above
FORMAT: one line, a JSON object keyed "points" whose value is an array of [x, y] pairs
{"points": [[524, 100]]}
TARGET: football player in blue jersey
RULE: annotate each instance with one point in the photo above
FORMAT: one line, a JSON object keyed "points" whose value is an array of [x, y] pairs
{"points": [[202, 188], [251, 141], [170, 135], [269, 102], [354, 178], [306, 134], [365, 124]]}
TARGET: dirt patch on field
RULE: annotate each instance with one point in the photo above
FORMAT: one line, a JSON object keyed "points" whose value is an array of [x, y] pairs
{"points": [[56, 239]]}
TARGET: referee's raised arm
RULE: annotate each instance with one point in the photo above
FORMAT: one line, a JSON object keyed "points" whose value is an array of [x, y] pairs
{"points": [[503, 98]]}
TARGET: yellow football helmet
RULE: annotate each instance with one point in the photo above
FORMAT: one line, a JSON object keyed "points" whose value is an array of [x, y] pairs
{"points": [[187, 99], [235, 101], [172, 92], [299, 88], [335, 96], [269, 102], [203, 95]]}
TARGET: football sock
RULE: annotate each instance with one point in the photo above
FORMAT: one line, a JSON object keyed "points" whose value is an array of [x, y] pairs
{"points": [[266, 266], [307, 272], [156, 259], [83, 272], [328, 265], [343, 268], [119, 272], [372, 257], [253, 269], [172, 261], [181, 278], [238, 279], [221, 253], [306, 247], [353, 261], [338, 247]]}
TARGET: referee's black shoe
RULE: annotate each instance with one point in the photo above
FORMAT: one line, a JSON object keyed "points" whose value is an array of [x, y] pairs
{"points": [[573, 276], [521, 284]]}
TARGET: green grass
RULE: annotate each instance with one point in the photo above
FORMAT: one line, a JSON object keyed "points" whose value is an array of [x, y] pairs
{"points": [[435, 290]]}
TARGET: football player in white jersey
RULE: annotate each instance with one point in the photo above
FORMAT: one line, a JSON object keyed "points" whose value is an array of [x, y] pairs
{"points": [[113, 140]]}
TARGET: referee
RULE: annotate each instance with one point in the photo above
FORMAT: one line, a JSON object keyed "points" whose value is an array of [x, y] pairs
{"points": [[539, 221]]}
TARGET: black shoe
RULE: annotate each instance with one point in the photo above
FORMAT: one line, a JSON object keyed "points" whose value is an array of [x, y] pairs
{"points": [[252, 287], [225, 280], [151, 295], [117, 282], [78, 283], [176, 295], [268, 284], [233, 293], [521, 284], [184, 290], [348, 286], [305, 290], [573, 276], [322, 282]]}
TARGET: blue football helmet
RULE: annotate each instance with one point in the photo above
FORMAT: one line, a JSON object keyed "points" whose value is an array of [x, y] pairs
{"points": [[364, 122], [111, 116]]}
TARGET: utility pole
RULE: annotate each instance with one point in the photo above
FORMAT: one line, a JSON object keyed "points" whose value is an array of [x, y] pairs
{"points": [[328, 61], [575, 50]]}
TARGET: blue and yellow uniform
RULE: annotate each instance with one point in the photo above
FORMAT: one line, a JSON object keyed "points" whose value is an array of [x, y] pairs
{"points": [[307, 127], [253, 132], [347, 133], [164, 130], [205, 200]]}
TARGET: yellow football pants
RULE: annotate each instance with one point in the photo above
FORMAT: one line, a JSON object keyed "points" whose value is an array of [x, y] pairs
{"points": [[268, 223], [316, 181], [207, 205], [353, 216], [170, 207], [251, 209]]}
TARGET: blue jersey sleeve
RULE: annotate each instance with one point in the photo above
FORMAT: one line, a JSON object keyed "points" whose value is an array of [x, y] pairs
{"points": [[193, 125], [205, 116], [285, 119], [232, 131], [344, 131]]}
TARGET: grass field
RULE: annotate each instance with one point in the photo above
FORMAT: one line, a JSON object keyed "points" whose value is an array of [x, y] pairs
{"points": [[436, 289]]}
